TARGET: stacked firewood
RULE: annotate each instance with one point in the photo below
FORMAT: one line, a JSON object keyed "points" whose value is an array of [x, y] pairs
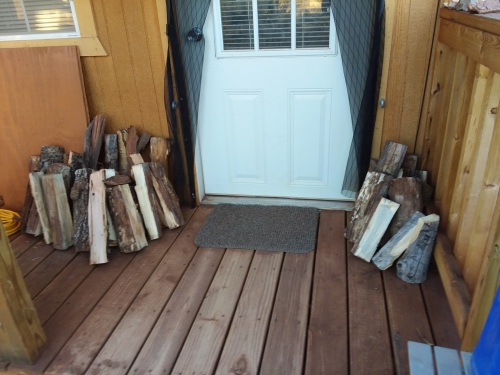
{"points": [[74, 199], [387, 215]]}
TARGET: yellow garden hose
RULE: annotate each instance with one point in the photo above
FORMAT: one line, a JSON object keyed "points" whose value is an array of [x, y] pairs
{"points": [[11, 221]]}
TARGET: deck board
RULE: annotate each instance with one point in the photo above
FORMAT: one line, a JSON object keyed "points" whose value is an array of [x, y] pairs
{"points": [[326, 312]]}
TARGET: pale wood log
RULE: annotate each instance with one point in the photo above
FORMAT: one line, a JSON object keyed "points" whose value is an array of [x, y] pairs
{"points": [[62, 169], [56, 200], [134, 159], [391, 158], [147, 199], [21, 334], [412, 266], [98, 222], [130, 231], [170, 214], [111, 151], [122, 152], [379, 217], [37, 192], [159, 150], [51, 154], [30, 221], [409, 165], [406, 191], [75, 162], [375, 184], [92, 142], [131, 143], [143, 141], [80, 197], [34, 226], [119, 179], [396, 246]]}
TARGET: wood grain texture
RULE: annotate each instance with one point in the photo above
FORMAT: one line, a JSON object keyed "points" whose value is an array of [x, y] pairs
{"points": [[369, 341], [203, 345], [127, 85], [158, 355], [245, 341], [58, 102], [475, 21], [110, 309], [328, 333], [284, 352], [21, 336]]}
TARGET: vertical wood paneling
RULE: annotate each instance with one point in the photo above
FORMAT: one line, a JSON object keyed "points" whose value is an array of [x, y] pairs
{"points": [[127, 85]]}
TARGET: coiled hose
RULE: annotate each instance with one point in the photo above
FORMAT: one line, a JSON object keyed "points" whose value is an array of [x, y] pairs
{"points": [[11, 221]]}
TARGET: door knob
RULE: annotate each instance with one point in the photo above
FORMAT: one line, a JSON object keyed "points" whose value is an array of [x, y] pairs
{"points": [[195, 34]]}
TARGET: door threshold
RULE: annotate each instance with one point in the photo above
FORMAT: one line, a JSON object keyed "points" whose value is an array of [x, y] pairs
{"points": [[269, 201]]}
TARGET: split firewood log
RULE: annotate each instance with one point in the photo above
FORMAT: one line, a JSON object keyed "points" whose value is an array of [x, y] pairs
{"points": [[170, 213], [130, 231], [122, 136], [30, 221], [56, 201], [62, 169], [112, 241], [111, 151], [131, 143], [406, 191], [51, 154], [119, 179], [143, 141], [75, 162], [159, 150], [379, 217], [98, 222], [37, 193], [92, 143], [391, 158], [80, 197], [409, 165]]}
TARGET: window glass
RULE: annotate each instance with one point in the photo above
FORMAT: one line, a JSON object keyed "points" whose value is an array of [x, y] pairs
{"points": [[237, 24]]}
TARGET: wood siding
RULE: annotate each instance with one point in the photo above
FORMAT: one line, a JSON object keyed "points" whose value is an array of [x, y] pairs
{"points": [[459, 142], [127, 85]]}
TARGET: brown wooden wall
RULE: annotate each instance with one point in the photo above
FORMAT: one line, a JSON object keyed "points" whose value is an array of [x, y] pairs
{"points": [[459, 144], [127, 85]]}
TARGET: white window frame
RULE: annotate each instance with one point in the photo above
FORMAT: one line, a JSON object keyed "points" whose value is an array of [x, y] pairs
{"points": [[219, 41], [40, 36]]}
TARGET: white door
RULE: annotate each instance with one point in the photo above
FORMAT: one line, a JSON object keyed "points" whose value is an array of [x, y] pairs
{"points": [[274, 117]]}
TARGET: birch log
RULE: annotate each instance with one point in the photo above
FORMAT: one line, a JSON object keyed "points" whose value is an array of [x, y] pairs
{"points": [[147, 199], [130, 231], [80, 197], [170, 214], [37, 192], [379, 217], [413, 265], [396, 246], [391, 158], [56, 200], [98, 222], [111, 151], [376, 184]]}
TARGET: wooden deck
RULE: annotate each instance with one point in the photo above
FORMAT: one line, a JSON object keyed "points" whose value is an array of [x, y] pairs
{"points": [[173, 308]]}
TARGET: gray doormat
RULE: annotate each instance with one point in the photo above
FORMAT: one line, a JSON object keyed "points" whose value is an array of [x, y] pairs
{"points": [[268, 228]]}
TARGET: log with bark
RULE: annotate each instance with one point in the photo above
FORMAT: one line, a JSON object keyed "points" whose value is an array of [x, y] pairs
{"points": [[80, 197], [110, 173], [406, 191], [56, 201], [119, 179], [159, 150], [413, 265], [409, 165], [75, 162], [130, 231], [147, 199], [131, 143], [143, 141], [170, 213], [396, 246], [37, 193], [111, 151], [122, 152], [98, 222], [51, 154], [376, 184], [391, 158], [92, 142], [379, 217]]}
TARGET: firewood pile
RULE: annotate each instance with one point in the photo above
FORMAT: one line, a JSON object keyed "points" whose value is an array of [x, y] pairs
{"points": [[387, 216], [74, 199]]}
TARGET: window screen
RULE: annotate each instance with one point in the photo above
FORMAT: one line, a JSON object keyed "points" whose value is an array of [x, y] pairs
{"points": [[275, 24], [33, 17], [237, 24]]}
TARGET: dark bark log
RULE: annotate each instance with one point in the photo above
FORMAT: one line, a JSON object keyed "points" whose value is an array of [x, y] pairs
{"points": [[80, 197], [413, 265], [406, 191], [409, 165], [170, 214], [56, 201], [375, 184], [128, 224], [51, 154], [75, 162], [143, 141], [131, 143], [392, 158], [92, 144], [111, 151], [393, 249], [35, 163], [119, 179]]}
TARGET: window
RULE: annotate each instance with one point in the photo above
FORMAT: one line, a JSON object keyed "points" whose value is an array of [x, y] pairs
{"points": [[46, 23], [274, 27], [37, 19]]}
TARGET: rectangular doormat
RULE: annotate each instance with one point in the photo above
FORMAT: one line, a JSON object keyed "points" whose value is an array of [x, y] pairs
{"points": [[268, 228]]}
